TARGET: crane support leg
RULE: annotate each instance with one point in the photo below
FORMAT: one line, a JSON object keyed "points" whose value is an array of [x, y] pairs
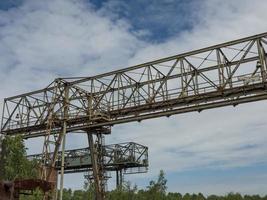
{"points": [[95, 153], [119, 179]]}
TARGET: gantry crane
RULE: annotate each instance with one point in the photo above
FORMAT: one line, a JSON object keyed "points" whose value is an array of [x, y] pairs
{"points": [[221, 75], [122, 158]]}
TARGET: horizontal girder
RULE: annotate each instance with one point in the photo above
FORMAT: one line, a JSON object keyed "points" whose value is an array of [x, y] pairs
{"points": [[226, 74], [123, 156]]}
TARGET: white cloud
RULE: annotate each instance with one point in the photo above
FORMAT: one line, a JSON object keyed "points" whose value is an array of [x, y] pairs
{"points": [[42, 40]]}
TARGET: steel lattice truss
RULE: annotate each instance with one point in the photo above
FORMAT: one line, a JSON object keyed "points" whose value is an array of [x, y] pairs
{"points": [[220, 75], [124, 156]]}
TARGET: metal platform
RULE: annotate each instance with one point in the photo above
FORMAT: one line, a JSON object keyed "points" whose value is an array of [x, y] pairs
{"points": [[129, 157]]}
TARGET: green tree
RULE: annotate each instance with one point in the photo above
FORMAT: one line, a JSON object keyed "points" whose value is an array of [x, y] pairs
{"points": [[234, 196], [67, 194], [200, 196], [187, 196], [15, 165], [157, 190], [89, 192], [126, 192], [213, 197], [78, 195], [141, 195], [174, 196], [37, 195], [13, 161]]}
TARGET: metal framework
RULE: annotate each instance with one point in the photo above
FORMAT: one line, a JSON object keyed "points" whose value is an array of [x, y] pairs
{"points": [[122, 158], [226, 74]]}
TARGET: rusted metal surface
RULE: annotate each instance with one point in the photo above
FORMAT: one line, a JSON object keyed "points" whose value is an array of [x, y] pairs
{"points": [[11, 190], [32, 184], [7, 190]]}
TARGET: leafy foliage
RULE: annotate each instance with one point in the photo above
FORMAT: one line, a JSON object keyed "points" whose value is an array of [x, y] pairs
{"points": [[15, 165], [13, 161], [155, 191], [146, 195], [37, 195]]}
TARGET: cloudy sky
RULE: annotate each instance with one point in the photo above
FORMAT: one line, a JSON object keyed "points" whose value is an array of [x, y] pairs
{"points": [[215, 152]]}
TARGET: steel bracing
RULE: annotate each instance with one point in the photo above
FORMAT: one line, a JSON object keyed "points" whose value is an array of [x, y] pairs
{"points": [[123, 158], [226, 74], [129, 157]]}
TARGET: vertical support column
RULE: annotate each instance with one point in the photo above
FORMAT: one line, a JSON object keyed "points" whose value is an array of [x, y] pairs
{"points": [[55, 197], [95, 166], [48, 171], [2, 137], [184, 76], [119, 179], [196, 82], [262, 60], [62, 168], [64, 128], [94, 153], [220, 68]]}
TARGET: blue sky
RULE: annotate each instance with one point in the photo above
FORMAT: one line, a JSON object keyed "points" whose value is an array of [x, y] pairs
{"points": [[162, 19], [151, 15], [218, 151]]}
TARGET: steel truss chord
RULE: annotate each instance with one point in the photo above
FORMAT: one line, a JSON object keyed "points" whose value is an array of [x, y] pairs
{"points": [[236, 68]]}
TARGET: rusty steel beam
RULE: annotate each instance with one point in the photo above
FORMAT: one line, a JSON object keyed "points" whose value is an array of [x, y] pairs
{"points": [[211, 75]]}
